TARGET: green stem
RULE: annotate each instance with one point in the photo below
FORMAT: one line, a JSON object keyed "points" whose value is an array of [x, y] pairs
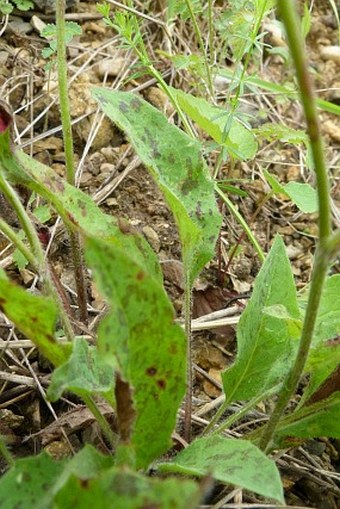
{"points": [[201, 46], [14, 238], [234, 417], [102, 421], [211, 31], [187, 325], [242, 222], [322, 257], [77, 256], [37, 251]]}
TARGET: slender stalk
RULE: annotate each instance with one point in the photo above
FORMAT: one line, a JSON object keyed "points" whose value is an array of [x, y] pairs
{"points": [[201, 46], [77, 256], [237, 415], [322, 257], [187, 325], [102, 421], [242, 222], [211, 31], [37, 251], [14, 238]]}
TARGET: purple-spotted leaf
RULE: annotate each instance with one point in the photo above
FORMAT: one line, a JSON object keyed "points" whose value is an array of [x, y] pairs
{"points": [[128, 490], [230, 461], [29, 484], [140, 337], [32, 483], [35, 316], [176, 164], [77, 209]]}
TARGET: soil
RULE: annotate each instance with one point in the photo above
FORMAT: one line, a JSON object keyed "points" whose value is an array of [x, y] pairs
{"points": [[122, 187]]}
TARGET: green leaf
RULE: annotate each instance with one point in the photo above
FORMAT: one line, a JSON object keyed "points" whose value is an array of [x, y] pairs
{"points": [[238, 140], [29, 483], [76, 208], [324, 355], [34, 316], [23, 5], [271, 132], [175, 162], [82, 372], [88, 463], [33, 482], [303, 195], [139, 334], [317, 420], [265, 344], [127, 490], [230, 461], [42, 213]]}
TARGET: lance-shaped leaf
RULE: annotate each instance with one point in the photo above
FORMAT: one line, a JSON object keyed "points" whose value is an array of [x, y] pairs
{"points": [[324, 355], [317, 420], [128, 490], [32, 483], [84, 371], [175, 162], [29, 483], [225, 129], [34, 316], [76, 208], [140, 335], [231, 461], [265, 341]]}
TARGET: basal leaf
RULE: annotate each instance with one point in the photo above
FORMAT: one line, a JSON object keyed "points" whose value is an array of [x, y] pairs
{"points": [[175, 162], [84, 371], [139, 334], [230, 461], [35, 316], [324, 355], [29, 483], [238, 140], [317, 420], [128, 490], [265, 343], [32, 483], [77, 209]]}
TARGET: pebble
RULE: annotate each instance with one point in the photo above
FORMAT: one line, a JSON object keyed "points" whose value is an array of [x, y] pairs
{"points": [[152, 238], [331, 53], [111, 67]]}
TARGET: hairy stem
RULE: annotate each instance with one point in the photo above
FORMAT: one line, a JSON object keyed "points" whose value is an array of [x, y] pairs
{"points": [[322, 257], [77, 255], [187, 324], [37, 252]]}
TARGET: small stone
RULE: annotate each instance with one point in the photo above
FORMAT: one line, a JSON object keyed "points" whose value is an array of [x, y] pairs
{"points": [[293, 173], [111, 67], [292, 252], [152, 238], [210, 389], [331, 53], [332, 129], [108, 169]]}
